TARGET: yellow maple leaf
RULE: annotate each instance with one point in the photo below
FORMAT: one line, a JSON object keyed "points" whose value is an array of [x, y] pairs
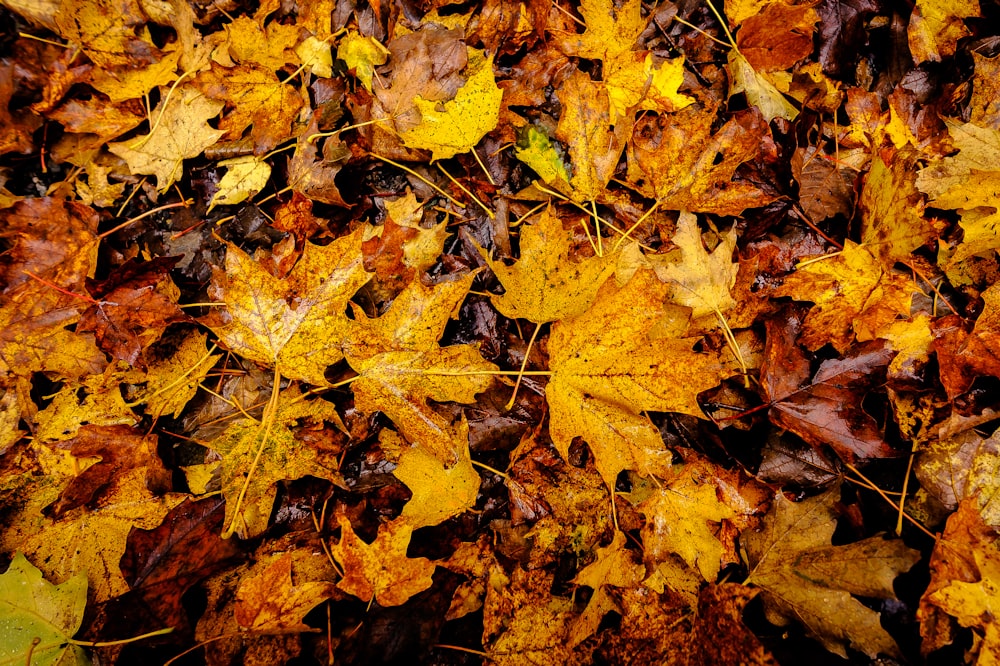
{"points": [[683, 517], [271, 46], [250, 478], [635, 81], [893, 223], [402, 367], [610, 31], [180, 131], [970, 183], [615, 565], [439, 492], [302, 337], [606, 371], [381, 570], [455, 126], [853, 296], [700, 280], [585, 126], [543, 285], [260, 102], [108, 31]]}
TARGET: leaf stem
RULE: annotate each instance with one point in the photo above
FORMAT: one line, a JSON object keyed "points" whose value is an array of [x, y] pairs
{"points": [[153, 211], [419, 177], [158, 632], [520, 373], [464, 189]]}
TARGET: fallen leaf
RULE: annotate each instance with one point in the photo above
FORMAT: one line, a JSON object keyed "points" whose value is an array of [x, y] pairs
{"points": [[402, 367], [456, 125], [802, 576], [245, 177], [297, 324], [40, 619], [544, 285], [362, 55], [615, 566], [381, 570], [181, 133], [935, 28], [854, 296], [270, 604], [975, 604], [606, 371], [893, 210]]}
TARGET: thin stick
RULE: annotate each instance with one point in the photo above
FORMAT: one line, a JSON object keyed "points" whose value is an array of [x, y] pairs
{"points": [[916, 523], [597, 229], [264, 431], [459, 648], [163, 109], [502, 475], [177, 381], [421, 178], [697, 29], [179, 204], [722, 22], [520, 373], [463, 188], [158, 632], [483, 167], [135, 190], [635, 226]]}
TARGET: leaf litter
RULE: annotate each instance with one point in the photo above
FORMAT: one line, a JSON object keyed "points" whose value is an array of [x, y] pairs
{"points": [[597, 332]]}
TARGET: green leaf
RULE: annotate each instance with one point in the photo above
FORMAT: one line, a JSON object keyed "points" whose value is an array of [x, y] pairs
{"points": [[31, 608]]}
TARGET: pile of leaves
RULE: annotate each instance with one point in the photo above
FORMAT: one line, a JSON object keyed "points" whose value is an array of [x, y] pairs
{"points": [[499, 332]]}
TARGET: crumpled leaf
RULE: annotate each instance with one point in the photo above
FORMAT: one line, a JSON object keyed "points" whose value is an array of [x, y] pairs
{"points": [[678, 161], [760, 92], [803, 577], [543, 285], [33, 609], [854, 296], [381, 570], [298, 323], [270, 603], [362, 55], [606, 370], [402, 367], [181, 133]]}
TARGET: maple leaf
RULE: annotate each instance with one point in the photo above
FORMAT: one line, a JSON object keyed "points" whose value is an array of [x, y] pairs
{"points": [[854, 297], [777, 37], [606, 370], [701, 280], [106, 31], [610, 31], [255, 459], [894, 223], [975, 604], [315, 177], [439, 492], [270, 46], [614, 565], [259, 99], [39, 618], [70, 545], [968, 182], [524, 623], [401, 365], [759, 91], [803, 577], [963, 468], [171, 381], [456, 125], [584, 126], [381, 570], [298, 323], [679, 162], [270, 603], [543, 285], [825, 187], [181, 131]]}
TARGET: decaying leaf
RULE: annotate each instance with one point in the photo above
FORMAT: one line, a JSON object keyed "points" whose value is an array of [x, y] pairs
{"points": [[803, 577]]}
